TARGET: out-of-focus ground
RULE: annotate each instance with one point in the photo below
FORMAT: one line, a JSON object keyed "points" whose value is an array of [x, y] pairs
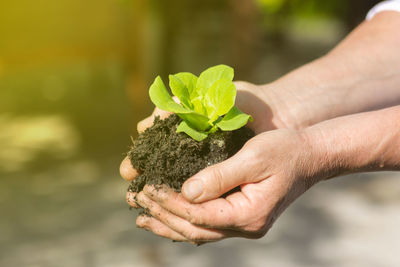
{"points": [[80, 220], [73, 83]]}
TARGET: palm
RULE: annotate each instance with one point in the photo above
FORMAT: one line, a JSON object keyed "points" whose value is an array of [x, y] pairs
{"points": [[252, 99]]}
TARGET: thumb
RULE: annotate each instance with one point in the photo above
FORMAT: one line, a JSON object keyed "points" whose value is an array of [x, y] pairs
{"points": [[218, 179], [149, 121]]}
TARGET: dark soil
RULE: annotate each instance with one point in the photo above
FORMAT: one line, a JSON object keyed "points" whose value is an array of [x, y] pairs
{"points": [[164, 156]]}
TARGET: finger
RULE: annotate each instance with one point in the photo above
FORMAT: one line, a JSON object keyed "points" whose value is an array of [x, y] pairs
{"points": [[144, 124], [212, 182], [163, 214], [148, 122], [219, 213], [157, 227], [127, 171], [190, 231], [131, 199], [247, 213]]}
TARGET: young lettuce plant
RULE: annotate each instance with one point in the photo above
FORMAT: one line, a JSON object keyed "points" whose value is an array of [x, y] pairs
{"points": [[207, 102]]}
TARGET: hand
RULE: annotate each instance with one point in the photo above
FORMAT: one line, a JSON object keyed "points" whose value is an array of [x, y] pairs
{"points": [[279, 166], [251, 99], [272, 170]]}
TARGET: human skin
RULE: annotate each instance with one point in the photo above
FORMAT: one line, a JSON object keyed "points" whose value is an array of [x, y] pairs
{"points": [[362, 73]]}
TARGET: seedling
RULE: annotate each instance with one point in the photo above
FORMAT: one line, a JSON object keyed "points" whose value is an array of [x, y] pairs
{"points": [[207, 102]]}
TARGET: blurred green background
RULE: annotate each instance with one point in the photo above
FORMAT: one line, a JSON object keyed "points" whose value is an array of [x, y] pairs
{"points": [[74, 77]]}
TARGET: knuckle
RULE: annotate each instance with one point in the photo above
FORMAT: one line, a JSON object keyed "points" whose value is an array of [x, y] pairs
{"points": [[197, 220], [257, 230], [142, 221], [142, 200], [162, 195], [217, 177], [159, 231], [151, 191], [140, 196], [251, 150], [192, 236]]}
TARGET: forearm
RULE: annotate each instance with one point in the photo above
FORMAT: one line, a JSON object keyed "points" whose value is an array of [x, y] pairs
{"points": [[356, 143], [361, 74]]}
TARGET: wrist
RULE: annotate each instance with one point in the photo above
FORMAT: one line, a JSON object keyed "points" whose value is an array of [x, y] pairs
{"points": [[312, 93], [355, 143], [326, 155]]}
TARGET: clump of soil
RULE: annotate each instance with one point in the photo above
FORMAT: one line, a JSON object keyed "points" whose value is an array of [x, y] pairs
{"points": [[164, 156]]}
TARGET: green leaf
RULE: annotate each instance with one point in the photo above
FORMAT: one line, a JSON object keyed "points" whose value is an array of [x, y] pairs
{"points": [[180, 90], [198, 106], [162, 99], [195, 120], [189, 80], [196, 135], [233, 120], [208, 77], [206, 103], [220, 98], [213, 129]]}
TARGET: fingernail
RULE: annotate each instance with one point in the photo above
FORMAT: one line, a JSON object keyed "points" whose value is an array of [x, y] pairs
{"points": [[193, 189]]}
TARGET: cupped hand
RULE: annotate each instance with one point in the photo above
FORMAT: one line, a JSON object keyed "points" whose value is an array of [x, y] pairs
{"points": [[272, 170], [245, 213]]}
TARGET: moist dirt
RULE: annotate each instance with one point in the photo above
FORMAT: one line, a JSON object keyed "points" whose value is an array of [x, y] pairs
{"points": [[163, 156]]}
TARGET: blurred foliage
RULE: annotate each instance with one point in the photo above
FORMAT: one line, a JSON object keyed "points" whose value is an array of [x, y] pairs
{"points": [[90, 62], [310, 8]]}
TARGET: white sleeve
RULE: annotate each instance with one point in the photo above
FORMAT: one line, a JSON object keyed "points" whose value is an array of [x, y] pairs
{"points": [[391, 5]]}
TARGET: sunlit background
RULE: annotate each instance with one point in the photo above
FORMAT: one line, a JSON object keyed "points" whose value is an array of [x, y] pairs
{"points": [[74, 77]]}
